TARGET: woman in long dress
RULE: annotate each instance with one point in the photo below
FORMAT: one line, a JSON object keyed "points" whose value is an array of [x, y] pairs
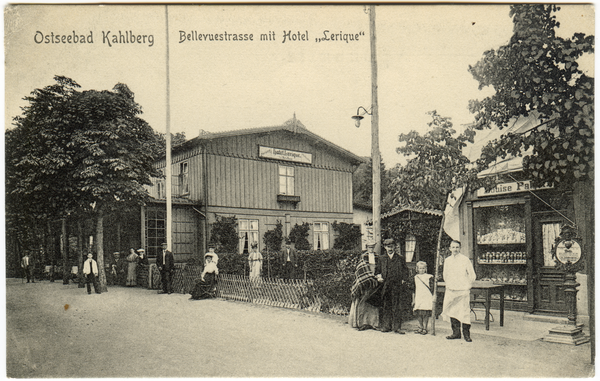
{"points": [[363, 314], [132, 262], [255, 261], [206, 286]]}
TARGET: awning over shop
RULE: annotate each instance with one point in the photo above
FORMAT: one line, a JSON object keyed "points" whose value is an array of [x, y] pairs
{"points": [[513, 164]]}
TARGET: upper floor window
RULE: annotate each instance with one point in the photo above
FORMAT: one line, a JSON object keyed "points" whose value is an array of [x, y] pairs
{"points": [[184, 187], [161, 191], [286, 180], [321, 235], [248, 234]]}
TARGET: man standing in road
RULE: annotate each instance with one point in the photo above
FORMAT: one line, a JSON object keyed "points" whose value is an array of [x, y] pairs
{"points": [[166, 266], [289, 261], [391, 270], [27, 266], [459, 276], [90, 269]]}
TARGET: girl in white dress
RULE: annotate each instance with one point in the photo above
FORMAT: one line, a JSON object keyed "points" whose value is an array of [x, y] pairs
{"points": [[423, 297]]}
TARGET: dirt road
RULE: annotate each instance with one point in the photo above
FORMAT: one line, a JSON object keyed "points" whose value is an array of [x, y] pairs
{"points": [[55, 330]]}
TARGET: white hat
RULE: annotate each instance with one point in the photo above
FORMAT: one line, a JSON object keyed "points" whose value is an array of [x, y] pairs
{"points": [[141, 250]]}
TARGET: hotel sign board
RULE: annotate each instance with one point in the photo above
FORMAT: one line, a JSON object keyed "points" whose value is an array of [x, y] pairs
{"points": [[284, 154], [507, 188]]}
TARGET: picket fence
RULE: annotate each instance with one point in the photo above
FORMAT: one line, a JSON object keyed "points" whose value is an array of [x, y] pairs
{"points": [[287, 293]]}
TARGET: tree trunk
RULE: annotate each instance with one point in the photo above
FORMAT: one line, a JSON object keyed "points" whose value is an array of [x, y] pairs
{"points": [[100, 250], [80, 250], [64, 249]]}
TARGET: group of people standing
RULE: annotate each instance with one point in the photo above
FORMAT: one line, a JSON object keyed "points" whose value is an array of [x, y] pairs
{"points": [[382, 281]]}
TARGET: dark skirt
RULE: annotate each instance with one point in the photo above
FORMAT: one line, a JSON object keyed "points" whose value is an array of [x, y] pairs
{"points": [[205, 289]]}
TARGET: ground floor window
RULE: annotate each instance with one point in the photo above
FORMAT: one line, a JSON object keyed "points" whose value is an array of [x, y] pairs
{"points": [[155, 231], [321, 236], [248, 234], [410, 244]]}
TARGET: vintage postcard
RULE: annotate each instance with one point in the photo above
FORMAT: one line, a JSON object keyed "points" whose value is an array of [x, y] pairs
{"points": [[189, 190]]}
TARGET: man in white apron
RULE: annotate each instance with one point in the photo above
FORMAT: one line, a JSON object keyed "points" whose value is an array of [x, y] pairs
{"points": [[459, 276]]}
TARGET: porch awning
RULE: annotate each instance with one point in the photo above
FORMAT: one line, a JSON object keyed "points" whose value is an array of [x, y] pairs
{"points": [[514, 164]]}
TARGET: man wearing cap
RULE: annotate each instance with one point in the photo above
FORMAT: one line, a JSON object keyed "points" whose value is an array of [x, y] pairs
{"points": [[392, 272], [166, 266]]}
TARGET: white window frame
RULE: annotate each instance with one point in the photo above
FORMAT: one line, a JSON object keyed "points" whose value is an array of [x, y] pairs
{"points": [[248, 232], [286, 180], [321, 235]]}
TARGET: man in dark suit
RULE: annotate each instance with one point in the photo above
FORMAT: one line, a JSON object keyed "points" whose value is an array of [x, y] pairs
{"points": [[166, 266], [289, 261], [392, 271], [27, 265]]}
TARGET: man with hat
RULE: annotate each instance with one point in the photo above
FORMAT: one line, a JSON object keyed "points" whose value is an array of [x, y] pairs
{"points": [[392, 272], [166, 266]]}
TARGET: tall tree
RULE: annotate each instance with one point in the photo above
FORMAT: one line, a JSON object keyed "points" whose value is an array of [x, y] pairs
{"points": [[87, 152], [537, 71], [435, 165], [362, 183], [39, 162], [113, 158]]}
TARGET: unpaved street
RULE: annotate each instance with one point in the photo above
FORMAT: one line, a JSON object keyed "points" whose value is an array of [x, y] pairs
{"points": [[55, 330]]}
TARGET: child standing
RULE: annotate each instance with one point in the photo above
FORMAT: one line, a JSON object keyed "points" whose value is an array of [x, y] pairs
{"points": [[423, 297]]}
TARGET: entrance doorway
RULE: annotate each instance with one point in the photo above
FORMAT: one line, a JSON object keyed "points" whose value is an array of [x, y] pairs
{"points": [[548, 281]]}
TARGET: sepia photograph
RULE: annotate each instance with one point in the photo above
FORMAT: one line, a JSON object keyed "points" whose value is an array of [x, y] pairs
{"points": [[308, 190]]}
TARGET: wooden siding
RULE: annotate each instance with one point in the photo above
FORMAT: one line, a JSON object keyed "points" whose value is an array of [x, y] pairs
{"points": [[238, 177], [246, 146], [243, 183]]}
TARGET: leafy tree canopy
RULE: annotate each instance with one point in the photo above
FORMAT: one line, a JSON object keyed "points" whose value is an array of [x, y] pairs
{"points": [[435, 165], [537, 72]]}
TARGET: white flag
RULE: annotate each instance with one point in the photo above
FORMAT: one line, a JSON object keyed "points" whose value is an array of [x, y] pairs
{"points": [[452, 219]]}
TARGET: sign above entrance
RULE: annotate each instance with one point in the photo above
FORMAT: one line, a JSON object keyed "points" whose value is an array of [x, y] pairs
{"points": [[506, 188], [284, 154]]}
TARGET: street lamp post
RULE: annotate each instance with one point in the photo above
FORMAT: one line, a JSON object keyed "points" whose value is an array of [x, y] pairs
{"points": [[375, 155]]}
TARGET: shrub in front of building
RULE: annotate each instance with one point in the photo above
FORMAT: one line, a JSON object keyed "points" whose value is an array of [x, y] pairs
{"points": [[299, 236], [274, 237]]}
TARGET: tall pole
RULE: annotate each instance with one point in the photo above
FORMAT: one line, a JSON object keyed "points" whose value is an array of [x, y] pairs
{"points": [[168, 180], [375, 155]]}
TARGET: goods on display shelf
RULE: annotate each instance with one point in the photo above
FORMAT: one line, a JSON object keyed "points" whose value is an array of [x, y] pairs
{"points": [[494, 257], [501, 236]]}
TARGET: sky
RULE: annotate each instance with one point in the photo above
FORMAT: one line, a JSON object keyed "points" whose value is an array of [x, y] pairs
{"points": [[423, 54]]}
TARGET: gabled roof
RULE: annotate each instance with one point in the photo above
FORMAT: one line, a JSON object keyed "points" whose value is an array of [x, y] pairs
{"points": [[293, 125]]}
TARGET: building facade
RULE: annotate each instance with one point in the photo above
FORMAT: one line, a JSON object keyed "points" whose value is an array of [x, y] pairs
{"points": [[259, 176]]}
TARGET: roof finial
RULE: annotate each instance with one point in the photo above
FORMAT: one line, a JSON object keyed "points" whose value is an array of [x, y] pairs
{"points": [[295, 123]]}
